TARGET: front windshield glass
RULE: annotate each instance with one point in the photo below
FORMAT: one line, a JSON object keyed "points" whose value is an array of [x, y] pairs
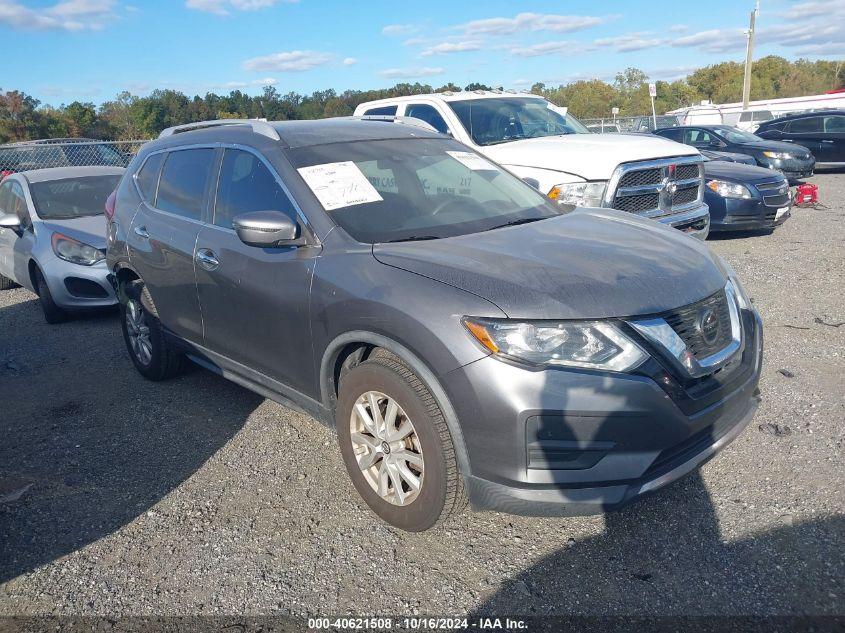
{"points": [[72, 197], [500, 120], [737, 136], [424, 189]]}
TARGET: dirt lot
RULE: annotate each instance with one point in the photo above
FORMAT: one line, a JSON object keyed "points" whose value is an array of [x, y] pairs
{"points": [[199, 497]]}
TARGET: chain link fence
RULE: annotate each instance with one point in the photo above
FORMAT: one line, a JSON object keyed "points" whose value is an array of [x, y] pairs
{"points": [[15, 157], [642, 123]]}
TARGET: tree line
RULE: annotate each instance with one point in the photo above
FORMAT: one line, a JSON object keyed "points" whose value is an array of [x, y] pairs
{"points": [[127, 116]]}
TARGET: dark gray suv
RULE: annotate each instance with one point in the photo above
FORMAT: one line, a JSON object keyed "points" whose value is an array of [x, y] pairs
{"points": [[469, 338]]}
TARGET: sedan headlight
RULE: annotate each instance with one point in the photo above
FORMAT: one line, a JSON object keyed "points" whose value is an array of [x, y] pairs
{"points": [[729, 189], [781, 155], [580, 194], [76, 252], [588, 344]]}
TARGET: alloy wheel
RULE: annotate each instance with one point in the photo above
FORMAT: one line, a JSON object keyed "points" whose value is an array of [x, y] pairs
{"points": [[139, 332], [387, 448]]}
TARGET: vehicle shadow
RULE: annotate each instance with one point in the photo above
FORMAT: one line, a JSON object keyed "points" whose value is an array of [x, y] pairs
{"points": [[87, 444], [666, 556], [738, 235]]}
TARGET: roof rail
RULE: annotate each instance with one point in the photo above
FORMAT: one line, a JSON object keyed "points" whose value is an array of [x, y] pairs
{"points": [[258, 126], [402, 120]]}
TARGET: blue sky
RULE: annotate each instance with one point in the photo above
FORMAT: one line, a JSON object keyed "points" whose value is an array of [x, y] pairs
{"points": [[63, 50]]}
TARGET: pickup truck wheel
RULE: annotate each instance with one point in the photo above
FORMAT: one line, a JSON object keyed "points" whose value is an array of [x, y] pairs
{"points": [[6, 283], [52, 313], [396, 445], [153, 357]]}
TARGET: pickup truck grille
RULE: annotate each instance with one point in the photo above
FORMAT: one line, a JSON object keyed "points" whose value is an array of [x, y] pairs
{"points": [[657, 188]]}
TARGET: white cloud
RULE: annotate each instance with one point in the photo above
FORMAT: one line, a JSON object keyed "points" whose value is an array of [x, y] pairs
{"points": [[678, 28], [293, 61], [222, 7], [239, 85], [68, 15], [350, 61], [630, 42], [804, 10], [451, 47], [411, 73], [713, 40], [399, 29], [550, 48], [532, 22]]}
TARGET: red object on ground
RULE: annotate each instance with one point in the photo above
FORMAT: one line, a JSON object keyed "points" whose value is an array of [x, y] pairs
{"points": [[806, 194]]}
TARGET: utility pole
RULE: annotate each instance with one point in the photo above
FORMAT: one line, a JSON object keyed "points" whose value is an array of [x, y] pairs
{"points": [[749, 52]]}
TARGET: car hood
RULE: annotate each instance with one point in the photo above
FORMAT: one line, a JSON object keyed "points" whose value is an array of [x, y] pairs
{"points": [[590, 156], [739, 172], [591, 263], [775, 146], [91, 230]]}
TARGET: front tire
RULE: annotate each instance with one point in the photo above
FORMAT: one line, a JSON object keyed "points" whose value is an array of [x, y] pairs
{"points": [[153, 357], [396, 445], [52, 313]]}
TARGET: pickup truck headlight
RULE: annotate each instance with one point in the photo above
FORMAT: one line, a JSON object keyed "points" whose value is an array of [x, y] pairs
{"points": [[781, 155], [587, 344], [581, 194], [729, 189], [74, 251]]}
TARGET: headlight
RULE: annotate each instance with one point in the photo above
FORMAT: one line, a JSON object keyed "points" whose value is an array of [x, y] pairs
{"points": [[74, 251], [589, 344], [729, 189], [581, 194], [739, 290], [783, 155]]}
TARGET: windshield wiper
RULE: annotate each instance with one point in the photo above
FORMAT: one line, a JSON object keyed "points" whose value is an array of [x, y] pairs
{"points": [[415, 238], [514, 223]]}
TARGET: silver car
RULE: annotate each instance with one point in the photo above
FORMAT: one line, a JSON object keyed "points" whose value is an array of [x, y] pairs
{"points": [[53, 237]]}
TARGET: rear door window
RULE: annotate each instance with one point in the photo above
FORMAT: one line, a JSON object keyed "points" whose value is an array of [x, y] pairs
{"points": [[698, 137], [183, 182], [834, 124], [429, 114], [246, 185], [147, 177], [810, 125]]}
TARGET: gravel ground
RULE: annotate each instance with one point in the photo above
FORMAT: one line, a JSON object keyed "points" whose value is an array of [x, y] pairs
{"points": [[199, 497]]}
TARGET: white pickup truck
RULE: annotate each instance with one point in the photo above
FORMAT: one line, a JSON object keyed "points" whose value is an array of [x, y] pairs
{"points": [[550, 149]]}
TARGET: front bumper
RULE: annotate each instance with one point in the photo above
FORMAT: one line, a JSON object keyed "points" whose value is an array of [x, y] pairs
{"points": [[793, 168], [77, 287], [694, 222], [563, 443], [733, 214]]}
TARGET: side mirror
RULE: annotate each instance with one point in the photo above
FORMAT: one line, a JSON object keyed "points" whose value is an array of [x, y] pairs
{"points": [[716, 143], [267, 229], [533, 182], [10, 221]]}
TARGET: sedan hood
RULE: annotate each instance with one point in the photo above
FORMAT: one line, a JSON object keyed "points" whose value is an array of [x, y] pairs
{"points": [[591, 263], [740, 172], [91, 230], [590, 156], [776, 146]]}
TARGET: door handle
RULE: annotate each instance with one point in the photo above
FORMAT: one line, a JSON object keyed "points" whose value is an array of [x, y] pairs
{"points": [[826, 141], [141, 231], [207, 259]]}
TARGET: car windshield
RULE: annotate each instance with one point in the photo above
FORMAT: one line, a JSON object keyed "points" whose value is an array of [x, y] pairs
{"points": [[70, 198], [500, 120], [416, 189], [737, 136]]}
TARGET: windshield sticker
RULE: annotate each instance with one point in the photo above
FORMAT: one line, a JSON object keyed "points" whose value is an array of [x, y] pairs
{"points": [[339, 185], [473, 161]]}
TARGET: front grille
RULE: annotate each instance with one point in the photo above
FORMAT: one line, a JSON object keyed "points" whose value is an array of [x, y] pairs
{"points": [[641, 177], [686, 322], [657, 188], [637, 204], [775, 194]]}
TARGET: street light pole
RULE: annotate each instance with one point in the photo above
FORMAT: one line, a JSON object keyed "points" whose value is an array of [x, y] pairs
{"points": [[749, 52]]}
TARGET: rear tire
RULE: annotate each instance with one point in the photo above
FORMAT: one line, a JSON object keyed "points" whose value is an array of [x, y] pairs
{"points": [[52, 313], [402, 460], [6, 283], [153, 357]]}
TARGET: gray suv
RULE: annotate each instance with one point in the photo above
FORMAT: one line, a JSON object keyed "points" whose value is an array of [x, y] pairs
{"points": [[469, 339]]}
